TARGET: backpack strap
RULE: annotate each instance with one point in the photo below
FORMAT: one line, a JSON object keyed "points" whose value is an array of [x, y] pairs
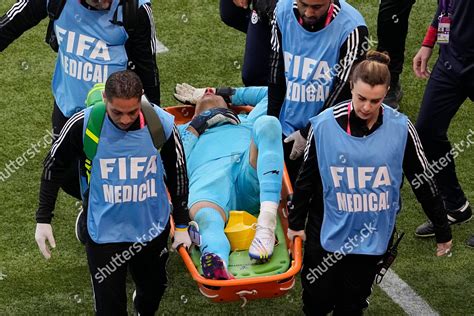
{"points": [[92, 135], [54, 9], [153, 122], [130, 15]]}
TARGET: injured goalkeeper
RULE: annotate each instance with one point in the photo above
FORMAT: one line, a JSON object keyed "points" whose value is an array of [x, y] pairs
{"points": [[234, 162]]}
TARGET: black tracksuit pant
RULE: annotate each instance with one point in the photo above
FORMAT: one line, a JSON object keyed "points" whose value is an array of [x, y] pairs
{"points": [[392, 29], [108, 265], [256, 67], [451, 83], [338, 286]]}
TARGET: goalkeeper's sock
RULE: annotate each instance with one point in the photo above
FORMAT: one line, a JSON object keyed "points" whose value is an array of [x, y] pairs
{"points": [[268, 214], [211, 228], [266, 135]]}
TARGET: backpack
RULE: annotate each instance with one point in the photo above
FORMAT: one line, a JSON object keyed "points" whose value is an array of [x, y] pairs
{"points": [[96, 120], [55, 7]]}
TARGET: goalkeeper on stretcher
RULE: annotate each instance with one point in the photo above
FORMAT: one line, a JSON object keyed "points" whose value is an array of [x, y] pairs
{"points": [[234, 162]]}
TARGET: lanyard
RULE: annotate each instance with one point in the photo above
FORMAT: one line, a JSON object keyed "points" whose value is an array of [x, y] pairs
{"points": [[142, 120], [349, 109], [330, 12]]}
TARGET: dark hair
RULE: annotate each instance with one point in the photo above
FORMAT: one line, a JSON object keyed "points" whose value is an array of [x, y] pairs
{"points": [[124, 85], [373, 70]]}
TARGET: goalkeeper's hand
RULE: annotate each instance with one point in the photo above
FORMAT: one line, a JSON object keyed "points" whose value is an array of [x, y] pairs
{"points": [[187, 94], [213, 117]]}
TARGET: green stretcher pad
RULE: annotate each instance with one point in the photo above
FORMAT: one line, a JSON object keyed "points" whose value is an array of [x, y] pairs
{"points": [[241, 266]]}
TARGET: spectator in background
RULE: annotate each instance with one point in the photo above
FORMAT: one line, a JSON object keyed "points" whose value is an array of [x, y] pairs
{"points": [[450, 83]]}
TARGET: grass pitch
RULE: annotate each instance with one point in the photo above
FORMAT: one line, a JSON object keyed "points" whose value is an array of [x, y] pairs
{"points": [[203, 52]]}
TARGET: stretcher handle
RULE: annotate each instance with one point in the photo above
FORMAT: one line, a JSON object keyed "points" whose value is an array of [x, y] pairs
{"points": [[242, 294], [288, 287]]}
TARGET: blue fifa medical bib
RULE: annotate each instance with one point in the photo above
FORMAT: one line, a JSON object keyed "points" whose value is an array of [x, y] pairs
{"points": [[361, 179], [90, 49], [127, 194], [311, 62]]}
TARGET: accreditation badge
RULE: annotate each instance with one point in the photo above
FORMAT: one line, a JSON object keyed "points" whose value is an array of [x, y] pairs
{"points": [[444, 26]]}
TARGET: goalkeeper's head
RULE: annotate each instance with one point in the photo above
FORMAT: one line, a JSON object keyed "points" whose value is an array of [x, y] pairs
{"points": [[208, 101]]}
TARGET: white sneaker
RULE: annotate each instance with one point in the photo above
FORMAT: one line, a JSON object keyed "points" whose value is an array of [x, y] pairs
{"points": [[262, 244]]}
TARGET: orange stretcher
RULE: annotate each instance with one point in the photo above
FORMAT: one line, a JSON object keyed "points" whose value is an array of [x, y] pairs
{"points": [[253, 287]]}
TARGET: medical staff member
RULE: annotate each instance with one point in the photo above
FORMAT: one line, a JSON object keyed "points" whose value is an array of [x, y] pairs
{"points": [[125, 200], [92, 44], [314, 46], [236, 166], [348, 190]]}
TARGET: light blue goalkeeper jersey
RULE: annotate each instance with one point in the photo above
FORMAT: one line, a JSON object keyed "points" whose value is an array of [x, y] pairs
{"points": [[225, 140]]}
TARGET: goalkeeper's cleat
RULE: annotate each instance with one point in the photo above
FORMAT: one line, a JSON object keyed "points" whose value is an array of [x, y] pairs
{"points": [[263, 243], [213, 267]]}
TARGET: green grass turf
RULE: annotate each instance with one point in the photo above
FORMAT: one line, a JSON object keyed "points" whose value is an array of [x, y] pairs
{"points": [[203, 52]]}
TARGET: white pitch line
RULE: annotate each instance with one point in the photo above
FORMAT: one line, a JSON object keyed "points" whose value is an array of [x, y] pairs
{"points": [[402, 294], [160, 47]]}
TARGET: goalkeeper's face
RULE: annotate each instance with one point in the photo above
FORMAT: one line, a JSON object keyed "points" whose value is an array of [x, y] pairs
{"points": [[209, 101]]}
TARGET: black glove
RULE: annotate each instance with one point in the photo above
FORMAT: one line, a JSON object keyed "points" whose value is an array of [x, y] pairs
{"points": [[213, 117]]}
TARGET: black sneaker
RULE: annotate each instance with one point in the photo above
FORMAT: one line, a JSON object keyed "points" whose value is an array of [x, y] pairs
{"points": [[81, 224], [463, 215], [470, 241], [135, 313], [394, 96]]}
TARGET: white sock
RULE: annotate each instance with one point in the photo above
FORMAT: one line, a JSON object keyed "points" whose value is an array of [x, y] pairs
{"points": [[268, 214]]}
